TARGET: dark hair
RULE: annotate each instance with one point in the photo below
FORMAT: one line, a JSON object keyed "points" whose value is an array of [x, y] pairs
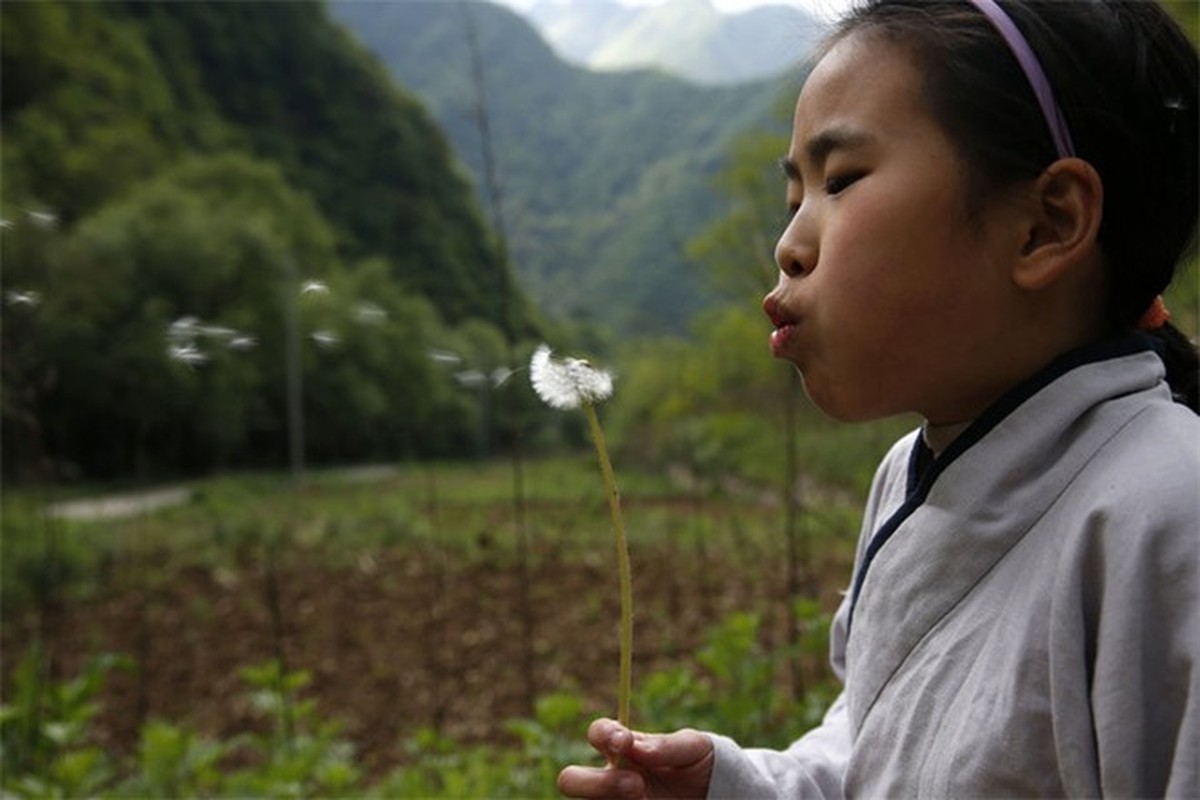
{"points": [[1125, 76]]}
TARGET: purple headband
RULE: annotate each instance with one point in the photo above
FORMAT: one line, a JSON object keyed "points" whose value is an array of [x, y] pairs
{"points": [[1033, 72]]}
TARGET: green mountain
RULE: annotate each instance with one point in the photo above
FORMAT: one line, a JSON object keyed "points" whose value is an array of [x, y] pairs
{"points": [[172, 172], [604, 176], [288, 86]]}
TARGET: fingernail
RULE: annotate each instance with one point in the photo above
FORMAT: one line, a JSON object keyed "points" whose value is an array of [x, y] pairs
{"points": [[617, 740], [628, 786]]}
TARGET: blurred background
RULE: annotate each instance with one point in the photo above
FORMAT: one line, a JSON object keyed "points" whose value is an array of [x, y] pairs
{"points": [[281, 513]]}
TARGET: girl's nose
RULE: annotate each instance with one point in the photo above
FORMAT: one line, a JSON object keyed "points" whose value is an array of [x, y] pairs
{"points": [[796, 250]]}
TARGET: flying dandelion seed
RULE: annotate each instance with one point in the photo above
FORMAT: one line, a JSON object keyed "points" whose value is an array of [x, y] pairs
{"points": [[325, 339], [187, 354], [470, 378], [369, 314], [242, 342], [183, 328], [217, 332], [7, 224], [500, 376], [314, 287], [42, 219], [444, 357], [568, 383], [29, 299]]}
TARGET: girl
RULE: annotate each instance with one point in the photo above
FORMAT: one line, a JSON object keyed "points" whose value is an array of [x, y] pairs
{"points": [[986, 202]]}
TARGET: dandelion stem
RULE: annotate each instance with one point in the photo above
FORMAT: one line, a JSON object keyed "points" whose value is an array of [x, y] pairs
{"points": [[614, 507]]}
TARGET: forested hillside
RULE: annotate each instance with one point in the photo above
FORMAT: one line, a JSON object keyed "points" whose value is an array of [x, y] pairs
{"points": [[174, 174], [604, 177]]}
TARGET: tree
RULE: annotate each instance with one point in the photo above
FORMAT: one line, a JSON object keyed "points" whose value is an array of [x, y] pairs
{"points": [[203, 248]]}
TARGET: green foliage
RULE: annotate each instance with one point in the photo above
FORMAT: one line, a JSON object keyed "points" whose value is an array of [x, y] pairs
{"points": [[1187, 14], [85, 110], [44, 731], [307, 97], [172, 761], [735, 684], [737, 690], [167, 161], [444, 768], [210, 239], [301, 754], [713, 407], [604, 176], [738, 248], [47, 752], [45, 726], [41, 559]]}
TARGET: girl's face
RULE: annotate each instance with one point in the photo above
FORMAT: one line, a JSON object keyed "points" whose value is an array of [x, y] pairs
{"points": [[890, 298]]}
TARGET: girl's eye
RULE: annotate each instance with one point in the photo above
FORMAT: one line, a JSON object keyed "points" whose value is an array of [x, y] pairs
{"points": [[836, 184]]}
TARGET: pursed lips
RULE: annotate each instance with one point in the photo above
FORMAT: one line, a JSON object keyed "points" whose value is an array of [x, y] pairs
{"points": [[785, 324]]}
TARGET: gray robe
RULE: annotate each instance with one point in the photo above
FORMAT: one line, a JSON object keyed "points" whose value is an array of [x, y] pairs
{"points": [[1030, 624]]}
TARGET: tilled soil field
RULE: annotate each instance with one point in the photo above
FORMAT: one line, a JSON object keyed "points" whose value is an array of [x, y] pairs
{"points": [[397, 640]]}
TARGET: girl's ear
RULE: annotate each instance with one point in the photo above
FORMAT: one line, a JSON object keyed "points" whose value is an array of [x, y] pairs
{"points": [[1068, 204]]}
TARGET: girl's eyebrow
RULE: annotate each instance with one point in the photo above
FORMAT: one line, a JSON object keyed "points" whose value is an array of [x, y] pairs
{"points": [[834, 138], [818, 148]]}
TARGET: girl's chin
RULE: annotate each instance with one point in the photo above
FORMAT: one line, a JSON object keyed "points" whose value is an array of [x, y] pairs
{"points": [[838, 406]]}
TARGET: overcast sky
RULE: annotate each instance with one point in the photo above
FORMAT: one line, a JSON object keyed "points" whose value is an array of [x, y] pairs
{"points": [[824, 9]]}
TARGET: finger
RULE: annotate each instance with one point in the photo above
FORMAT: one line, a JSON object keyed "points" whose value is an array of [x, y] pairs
{"points": [[677, 749], [599, 782], [610, 737]]}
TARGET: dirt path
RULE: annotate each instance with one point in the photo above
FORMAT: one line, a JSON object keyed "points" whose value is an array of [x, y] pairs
{"points": [[120, 505], [132, 504]]}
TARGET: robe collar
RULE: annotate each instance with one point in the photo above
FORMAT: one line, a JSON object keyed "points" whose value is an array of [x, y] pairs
{"points": [[966, 509]]}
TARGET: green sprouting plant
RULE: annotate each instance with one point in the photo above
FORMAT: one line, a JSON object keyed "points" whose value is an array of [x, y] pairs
{"points": [[551, 739], [47, 751], [172, 761], [441, 767], [734, 686], [301, 754], [444, 768], [573, 383], [44, 729]]}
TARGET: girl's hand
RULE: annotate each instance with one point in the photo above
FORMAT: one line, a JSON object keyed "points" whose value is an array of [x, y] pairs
{"points": [[677, 765]]}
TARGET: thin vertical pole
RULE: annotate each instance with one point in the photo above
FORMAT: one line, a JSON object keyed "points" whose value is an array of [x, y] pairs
{"points": [[294, 372]]}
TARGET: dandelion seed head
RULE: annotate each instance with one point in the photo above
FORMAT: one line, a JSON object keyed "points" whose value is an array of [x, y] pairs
{"points": [[569, 382]]}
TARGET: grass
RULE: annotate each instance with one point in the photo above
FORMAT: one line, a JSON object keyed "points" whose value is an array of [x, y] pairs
{"points": [[461, 506]]}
